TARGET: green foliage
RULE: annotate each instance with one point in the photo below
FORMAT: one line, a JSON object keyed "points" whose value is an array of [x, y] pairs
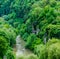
{"points": [[25, 36], [10, 54], [31, 56], [52, 41], [22, 7], [41, 17], [7, 34], [0, 58], [50, 50], [32, 41], [3, 46], [23, 29], [7, 37], [5, 7], [21, 57], [53, 31]]}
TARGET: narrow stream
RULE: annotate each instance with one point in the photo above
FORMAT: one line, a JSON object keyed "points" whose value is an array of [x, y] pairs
{"points": [[20, 47]]}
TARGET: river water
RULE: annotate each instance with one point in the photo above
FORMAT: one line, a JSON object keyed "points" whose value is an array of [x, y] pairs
{"points": [[20, 47]]}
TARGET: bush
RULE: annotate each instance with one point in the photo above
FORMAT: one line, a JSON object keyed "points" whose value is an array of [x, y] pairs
{"points": [[49, 51], [52, 41], [53, 31], [7, 37], [9, 34], [32, 41], [22, 57], [7, 31], [40, 50], [0, 58], [31, 56], [3, 46], [54, 51], [23, 29], [10, 54], [25, 36]]}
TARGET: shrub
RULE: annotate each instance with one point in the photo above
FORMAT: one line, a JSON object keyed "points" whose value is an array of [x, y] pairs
{"points": [[25, 36], [53, 31], [7, 31], [22, 57], [49, 51], [23, 29], [52, 41], [10, 54], [3, 46], [32, 41], [0, 58], [9, 34], [31, 56], [54, 51], [40, 50]]}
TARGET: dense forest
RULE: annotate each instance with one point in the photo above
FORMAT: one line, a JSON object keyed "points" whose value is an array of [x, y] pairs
{"points": [[38, 24]]}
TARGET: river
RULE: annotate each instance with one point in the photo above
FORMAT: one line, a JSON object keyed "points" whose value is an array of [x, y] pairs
{"points": [[20, 47]]}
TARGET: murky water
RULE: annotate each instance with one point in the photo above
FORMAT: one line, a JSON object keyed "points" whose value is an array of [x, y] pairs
{"points": [[20, 47]]}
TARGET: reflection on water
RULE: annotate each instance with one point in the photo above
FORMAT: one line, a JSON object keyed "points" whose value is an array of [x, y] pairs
{"points": [[20, 47]]}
